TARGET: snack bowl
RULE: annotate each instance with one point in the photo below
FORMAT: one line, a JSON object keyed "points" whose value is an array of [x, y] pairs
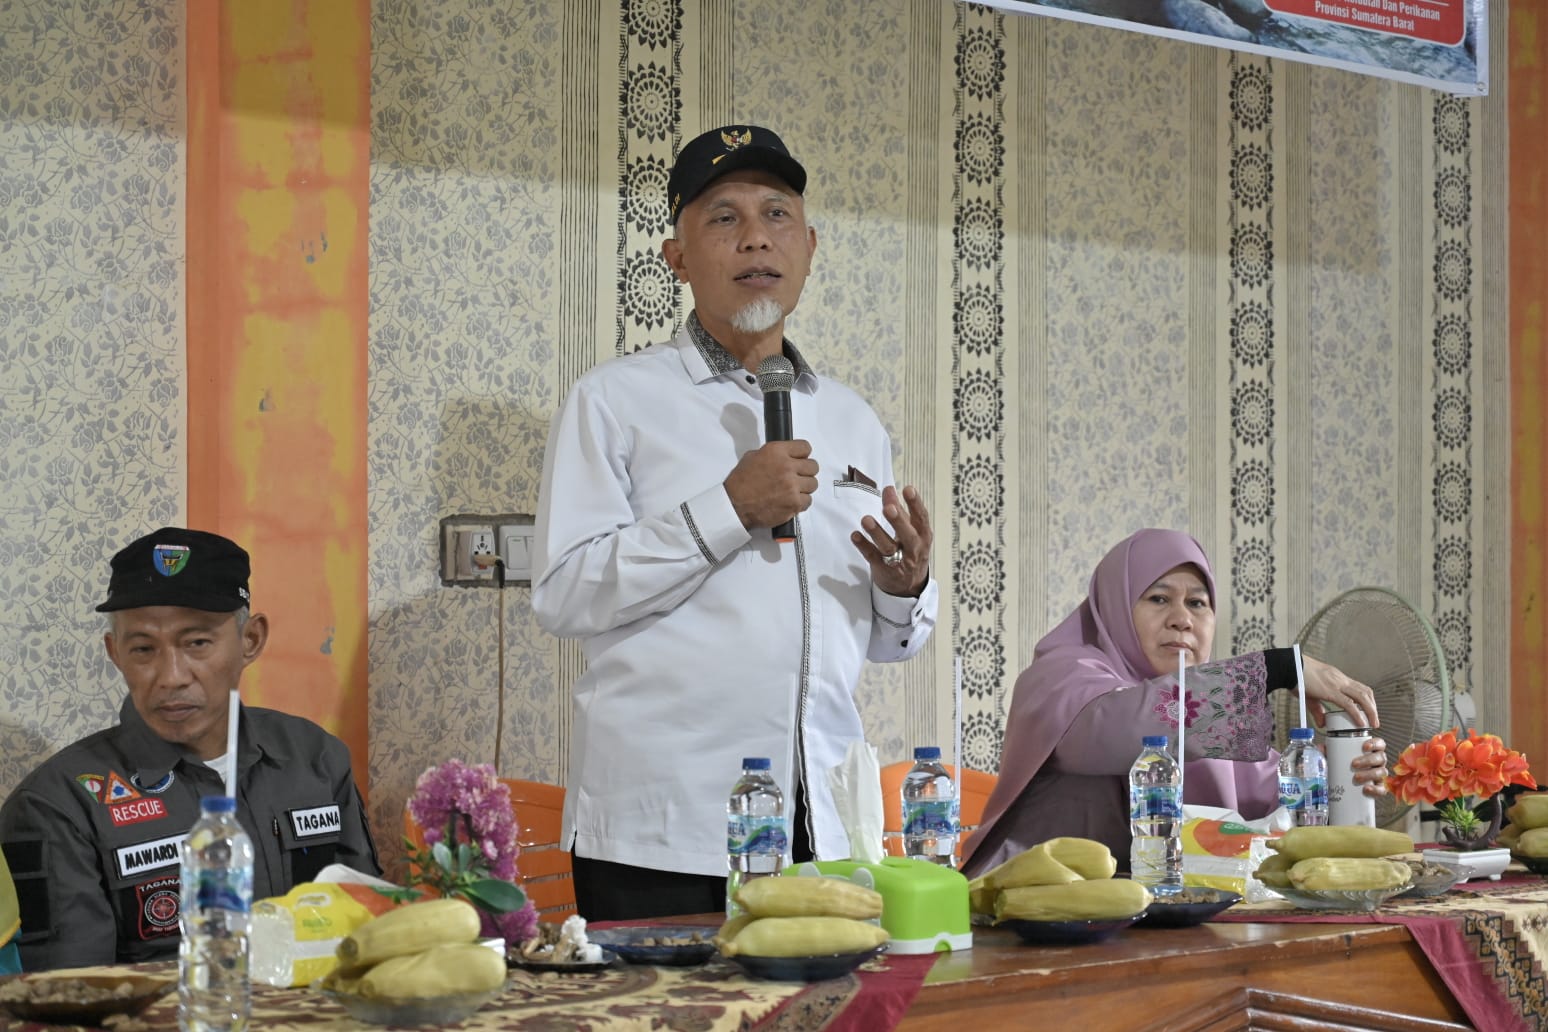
{"points": [[1431, 879], [410, 1013], [1067, 933], [666, 945], [1191, 906], [78, 997], [814, 968], [1352, 900]]}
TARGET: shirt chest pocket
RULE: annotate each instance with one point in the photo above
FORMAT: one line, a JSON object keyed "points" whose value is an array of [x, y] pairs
{"points": [[309, 838], [852, 500]]}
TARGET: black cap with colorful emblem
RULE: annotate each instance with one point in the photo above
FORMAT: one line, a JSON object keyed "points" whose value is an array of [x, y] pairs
{"points": [[176, 567], [711, 155]]}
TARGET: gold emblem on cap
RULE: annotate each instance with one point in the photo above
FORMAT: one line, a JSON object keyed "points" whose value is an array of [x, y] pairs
{"points": [[735, 139]]}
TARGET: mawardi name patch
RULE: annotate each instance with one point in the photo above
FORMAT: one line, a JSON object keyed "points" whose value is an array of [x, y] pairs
{"points": [[136, 810], [318, 820], [147, 856]]}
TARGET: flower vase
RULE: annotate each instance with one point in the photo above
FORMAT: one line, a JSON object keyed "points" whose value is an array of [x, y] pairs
{"points": [[1484, 835]]}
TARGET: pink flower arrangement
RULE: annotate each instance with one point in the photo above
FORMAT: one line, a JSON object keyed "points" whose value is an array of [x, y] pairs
{"points": [[470, 830]]}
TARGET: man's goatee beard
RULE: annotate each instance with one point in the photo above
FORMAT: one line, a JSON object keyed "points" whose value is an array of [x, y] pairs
{"points": [[758, 316]]}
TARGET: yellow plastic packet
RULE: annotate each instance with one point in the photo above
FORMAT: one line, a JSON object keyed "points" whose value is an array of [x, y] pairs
{"points": [[1222, 854], [294, 936]]}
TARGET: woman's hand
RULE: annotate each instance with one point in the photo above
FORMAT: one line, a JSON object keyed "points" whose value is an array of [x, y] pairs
{"points": [[1370, 768], [1326, 683]]}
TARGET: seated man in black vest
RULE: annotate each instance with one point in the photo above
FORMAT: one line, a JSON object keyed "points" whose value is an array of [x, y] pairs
{"points": [[93, 834]]}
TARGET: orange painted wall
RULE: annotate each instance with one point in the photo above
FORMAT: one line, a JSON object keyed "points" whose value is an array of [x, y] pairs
{"points": [[279, 156], [1529, 382]]}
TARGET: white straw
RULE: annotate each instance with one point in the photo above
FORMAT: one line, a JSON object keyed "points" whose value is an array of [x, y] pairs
{"points": [[956, 705], [1182, 714], [1300, 682], [232, 715]]}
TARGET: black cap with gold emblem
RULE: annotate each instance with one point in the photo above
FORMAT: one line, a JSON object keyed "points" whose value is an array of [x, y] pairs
{"points": [[176, 567], [711, 155]]}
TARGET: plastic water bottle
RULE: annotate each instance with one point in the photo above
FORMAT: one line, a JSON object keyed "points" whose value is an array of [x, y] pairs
{"points": [[755, 829], [214, 993], [1303, 779], [930, 810], [1155, 818]]}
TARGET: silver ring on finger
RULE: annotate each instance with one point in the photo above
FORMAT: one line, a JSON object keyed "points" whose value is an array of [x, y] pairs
{"points": [[895, 559]]}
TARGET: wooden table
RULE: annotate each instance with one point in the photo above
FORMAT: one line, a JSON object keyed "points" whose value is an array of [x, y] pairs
{"points": [[1216, 977], [1208, 977]]}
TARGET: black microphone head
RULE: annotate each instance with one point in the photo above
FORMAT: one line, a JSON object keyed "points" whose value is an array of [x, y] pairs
{"points": [[775, 373]]}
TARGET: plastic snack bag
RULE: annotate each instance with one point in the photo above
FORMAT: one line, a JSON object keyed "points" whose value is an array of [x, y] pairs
{"points": [[294, 936], [1221, 851]]}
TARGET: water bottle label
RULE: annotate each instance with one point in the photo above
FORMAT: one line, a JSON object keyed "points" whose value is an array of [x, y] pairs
{"points": [[1292, 795], [1151, 801], [930, 817], [230, 889], [755, 836], [1316, 793]]}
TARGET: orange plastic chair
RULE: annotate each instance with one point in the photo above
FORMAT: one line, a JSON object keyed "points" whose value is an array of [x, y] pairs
{"points": [[544, 866], [973, 788]]}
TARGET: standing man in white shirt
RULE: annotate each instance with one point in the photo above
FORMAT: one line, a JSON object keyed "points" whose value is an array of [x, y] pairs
{"points": [[706, 639]]}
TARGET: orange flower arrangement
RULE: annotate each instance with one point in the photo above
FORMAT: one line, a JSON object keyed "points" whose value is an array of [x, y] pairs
{"points": [[1450, 773]]}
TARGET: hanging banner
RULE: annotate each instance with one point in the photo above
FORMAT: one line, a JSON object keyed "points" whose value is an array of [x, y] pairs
{"points": [[1443, 44]]}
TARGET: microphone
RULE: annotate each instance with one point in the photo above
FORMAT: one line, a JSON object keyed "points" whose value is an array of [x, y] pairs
{"points": [[775, 378]]}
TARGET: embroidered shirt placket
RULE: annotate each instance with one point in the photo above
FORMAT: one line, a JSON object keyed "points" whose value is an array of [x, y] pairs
{"points": [[722, 362], [805, 677]]}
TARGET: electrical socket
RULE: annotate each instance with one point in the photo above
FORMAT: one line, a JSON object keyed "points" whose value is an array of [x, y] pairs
{"points": [[463, 538], [471, 542]]}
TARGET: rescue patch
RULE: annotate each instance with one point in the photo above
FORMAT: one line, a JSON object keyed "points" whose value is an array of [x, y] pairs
{"points": [[318, 820], [117, 789], [92, 783], [156, 789], [148, 856], [133, 811], [158, 905]]}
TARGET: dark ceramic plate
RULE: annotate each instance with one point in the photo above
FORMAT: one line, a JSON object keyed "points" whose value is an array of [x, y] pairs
{"points": [[1535, 864], [804, 969], [640, 944], [1195, 907], [142, 991], [569, 967], [1067, 933]]}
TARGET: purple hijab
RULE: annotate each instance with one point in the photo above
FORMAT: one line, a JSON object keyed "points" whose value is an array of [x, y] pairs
{"points": [[1095, 651]]}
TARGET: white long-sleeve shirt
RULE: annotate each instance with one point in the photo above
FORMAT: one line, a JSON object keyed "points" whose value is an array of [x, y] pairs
{"points": [[706, 643]]}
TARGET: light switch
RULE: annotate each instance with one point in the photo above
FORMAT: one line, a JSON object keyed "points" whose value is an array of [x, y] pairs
{"points": [[516, 540]]}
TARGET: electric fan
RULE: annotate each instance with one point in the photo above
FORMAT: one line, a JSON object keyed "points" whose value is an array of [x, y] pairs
{"points": [[1377, 637]]}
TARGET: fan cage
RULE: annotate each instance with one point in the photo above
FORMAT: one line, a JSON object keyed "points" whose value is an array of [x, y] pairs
{"points": [[1406, 670]]}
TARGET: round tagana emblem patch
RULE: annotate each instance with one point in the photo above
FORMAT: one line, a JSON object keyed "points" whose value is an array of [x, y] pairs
{"points": [[161, 908]]}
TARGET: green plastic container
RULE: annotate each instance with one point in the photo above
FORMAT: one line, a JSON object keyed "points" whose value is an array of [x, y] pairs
{"points": [[924, 905]]}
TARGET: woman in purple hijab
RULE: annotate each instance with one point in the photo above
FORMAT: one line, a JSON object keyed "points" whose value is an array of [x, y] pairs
{"points": [[1107, 676]]}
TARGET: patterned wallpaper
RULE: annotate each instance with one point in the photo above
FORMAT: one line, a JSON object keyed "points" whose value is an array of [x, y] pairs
{"points": [[1091, 281], [1067, 333], [467, 254], [91, 341]]}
